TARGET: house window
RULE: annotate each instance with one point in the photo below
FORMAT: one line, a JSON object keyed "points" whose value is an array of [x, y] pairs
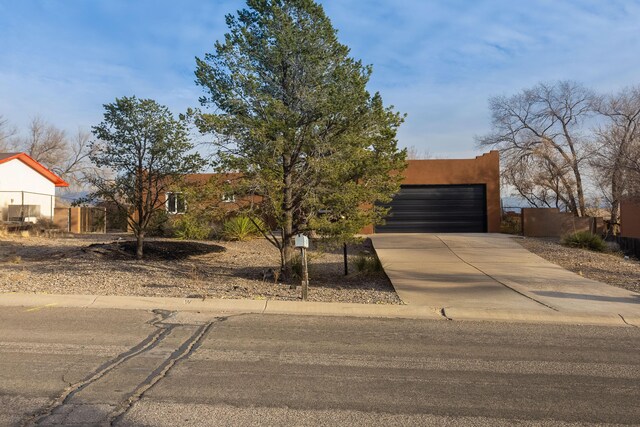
{"points": [[176, 203]]}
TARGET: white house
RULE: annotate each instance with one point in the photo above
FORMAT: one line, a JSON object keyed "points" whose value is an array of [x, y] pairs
{"points": [[27, 188]]}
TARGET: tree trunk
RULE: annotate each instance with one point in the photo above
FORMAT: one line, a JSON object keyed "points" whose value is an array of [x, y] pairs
{"points": [[616, 193], [581, 202], [615, 211], [282, 261], [139, 244], [287, 254], [140, 220], [287, 208]]}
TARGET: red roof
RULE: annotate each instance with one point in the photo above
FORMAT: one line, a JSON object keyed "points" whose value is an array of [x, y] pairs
{"points": [[33, 164]]}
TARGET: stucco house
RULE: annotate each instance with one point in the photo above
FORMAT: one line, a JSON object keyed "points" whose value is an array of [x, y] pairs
{"points": [[436, 196], [27, 188]]}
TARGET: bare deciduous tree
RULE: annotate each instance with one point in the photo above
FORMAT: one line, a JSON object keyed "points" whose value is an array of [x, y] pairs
{"points": [[77, 165], [45, 143], [7, 132], [538, 134], [414, 153], [634, 173], [616, 149], [49, 145], [535, 181]]}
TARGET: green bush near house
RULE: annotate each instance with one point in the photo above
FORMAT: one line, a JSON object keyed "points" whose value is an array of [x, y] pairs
{"points": [[241, 228], [585, 240], [188, 227]]}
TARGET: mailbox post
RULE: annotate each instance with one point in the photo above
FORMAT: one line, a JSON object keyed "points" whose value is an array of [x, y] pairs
{"points": [[302, 242]]}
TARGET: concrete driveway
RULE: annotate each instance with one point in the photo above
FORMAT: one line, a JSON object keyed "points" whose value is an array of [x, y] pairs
{"points": [[492, 276]]}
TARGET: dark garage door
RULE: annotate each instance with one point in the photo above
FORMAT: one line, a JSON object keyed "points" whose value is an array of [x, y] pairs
{"points": [[437, 209]]}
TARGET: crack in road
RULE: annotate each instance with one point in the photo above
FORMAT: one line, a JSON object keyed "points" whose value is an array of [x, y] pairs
{"points": [[150, 341], [160, 316], [444, 314], [183, 352], [68, 368], [63, 406], [625, 321]]}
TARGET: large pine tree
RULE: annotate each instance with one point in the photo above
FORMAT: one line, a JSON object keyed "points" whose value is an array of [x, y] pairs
{"points": [[291, 112]]}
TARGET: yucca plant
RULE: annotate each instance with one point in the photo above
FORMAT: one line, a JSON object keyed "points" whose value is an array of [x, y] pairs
{"points": [[241, 228]]}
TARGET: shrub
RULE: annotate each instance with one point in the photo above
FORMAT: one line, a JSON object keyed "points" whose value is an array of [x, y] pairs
{"points": [[511, 224], [585, 240], [366, 263], [188, 227], [159, 224], [296, 266], [240, 228], [46, 224]]}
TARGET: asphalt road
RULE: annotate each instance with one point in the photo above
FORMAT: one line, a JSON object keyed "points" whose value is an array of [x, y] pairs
{"points": [[135, 368]]}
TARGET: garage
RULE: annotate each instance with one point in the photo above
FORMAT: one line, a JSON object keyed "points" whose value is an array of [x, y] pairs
{"points": [[446, 196], [437, 209]]}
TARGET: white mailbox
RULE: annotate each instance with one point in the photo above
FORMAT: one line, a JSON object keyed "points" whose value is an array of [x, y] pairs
{"points": [[302, 241]]}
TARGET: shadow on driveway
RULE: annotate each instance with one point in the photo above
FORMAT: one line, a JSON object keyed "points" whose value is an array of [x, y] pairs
{"points": [[635, 299]]}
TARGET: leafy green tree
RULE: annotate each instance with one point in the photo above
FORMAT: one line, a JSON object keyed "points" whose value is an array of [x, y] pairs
{"points": [[292, 113], [203, 197], [142, 150]]}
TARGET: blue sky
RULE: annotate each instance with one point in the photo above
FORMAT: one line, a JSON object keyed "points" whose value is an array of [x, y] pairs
{"points": [[437, 61]]}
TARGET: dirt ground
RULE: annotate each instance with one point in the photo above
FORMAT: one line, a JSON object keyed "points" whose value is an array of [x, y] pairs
{"points": [[104, 265], [611, 267]]}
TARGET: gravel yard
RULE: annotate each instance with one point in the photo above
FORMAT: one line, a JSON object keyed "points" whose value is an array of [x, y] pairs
{"points": [[102, 265], [610, 268], [96, 265]]}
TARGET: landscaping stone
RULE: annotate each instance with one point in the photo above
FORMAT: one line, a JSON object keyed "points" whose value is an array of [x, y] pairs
{"points": [[612, 268], [104, 265]]}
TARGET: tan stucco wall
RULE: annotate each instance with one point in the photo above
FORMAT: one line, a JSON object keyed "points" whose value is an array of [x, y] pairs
{"points": [[550, 222], [484, 169], [630, 219]]}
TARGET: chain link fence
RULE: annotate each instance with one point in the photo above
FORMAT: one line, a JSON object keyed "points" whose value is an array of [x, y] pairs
{"points": [[25, 208]]}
